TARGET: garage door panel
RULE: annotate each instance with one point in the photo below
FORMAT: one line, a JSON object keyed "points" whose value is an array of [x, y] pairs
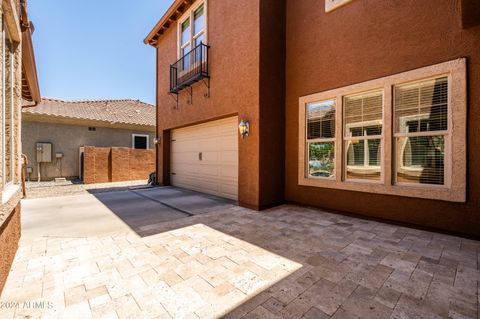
{"points": [[217, 170]]}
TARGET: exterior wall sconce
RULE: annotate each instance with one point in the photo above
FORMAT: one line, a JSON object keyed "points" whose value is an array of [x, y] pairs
{"points": [[244, 128], [156, 140]]}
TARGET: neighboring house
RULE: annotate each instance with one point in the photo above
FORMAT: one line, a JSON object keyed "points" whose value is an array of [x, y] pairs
{"points": [[18, 79], [352, 105], [55, 131]]}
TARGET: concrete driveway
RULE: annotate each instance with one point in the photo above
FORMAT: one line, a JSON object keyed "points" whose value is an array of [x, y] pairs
{"points": [[102, 211]]}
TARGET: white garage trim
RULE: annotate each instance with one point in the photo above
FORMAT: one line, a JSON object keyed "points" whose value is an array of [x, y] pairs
{"points": [[204, 157]]}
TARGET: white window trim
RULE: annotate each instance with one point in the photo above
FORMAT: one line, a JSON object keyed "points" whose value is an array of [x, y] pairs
{"points": [[141, 135], [454, 188], [189, 14]]}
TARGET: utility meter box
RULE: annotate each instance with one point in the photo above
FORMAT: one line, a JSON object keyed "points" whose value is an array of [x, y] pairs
{"points": [[44, 152]]}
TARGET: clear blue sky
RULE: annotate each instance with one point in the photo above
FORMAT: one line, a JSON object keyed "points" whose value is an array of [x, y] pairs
{"points": [[93, 49]]}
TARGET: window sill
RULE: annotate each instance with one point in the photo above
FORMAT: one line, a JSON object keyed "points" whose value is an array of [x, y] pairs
{"points": [[9, 192], [437, 192]]}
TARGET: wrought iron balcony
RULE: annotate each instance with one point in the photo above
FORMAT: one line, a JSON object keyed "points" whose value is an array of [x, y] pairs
{"points": [[191, 68]]}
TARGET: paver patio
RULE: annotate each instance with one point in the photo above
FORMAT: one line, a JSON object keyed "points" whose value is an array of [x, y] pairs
{"points": [[287, 262]]}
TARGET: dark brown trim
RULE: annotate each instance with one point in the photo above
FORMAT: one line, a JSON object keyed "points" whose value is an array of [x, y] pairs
{"points": [[173, 14], [30, 87]]}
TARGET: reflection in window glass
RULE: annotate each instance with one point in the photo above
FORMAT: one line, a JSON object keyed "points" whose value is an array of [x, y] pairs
{"points": [[186, 32], [199, 20], [321, 159], [421, 108], [321, 119], [321, 138], [363, 133], [364, 159], [422, 160]]}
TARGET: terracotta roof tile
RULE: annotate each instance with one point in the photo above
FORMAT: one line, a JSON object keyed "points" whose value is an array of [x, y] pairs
{"points": [[126, 111]]}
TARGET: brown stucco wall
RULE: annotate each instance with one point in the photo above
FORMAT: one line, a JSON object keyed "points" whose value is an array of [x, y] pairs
{"points": [[272, 101], [9, 237], [234, 68], [67, 139], [116, 164], [369, 39]]}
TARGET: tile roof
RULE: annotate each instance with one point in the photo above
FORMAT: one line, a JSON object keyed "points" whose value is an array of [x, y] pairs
{"points": [[127, 111]]}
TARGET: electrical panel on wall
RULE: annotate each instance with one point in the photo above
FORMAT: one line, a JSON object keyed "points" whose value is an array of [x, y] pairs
{"points": [[44, 152]]}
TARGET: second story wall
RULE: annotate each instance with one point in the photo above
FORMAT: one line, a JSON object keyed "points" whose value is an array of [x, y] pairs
{"points": [[233, 37], [370, 39]]}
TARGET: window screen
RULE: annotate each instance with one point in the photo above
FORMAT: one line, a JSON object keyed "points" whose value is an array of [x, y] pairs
{"points": [[421, 123], [363, 135]]}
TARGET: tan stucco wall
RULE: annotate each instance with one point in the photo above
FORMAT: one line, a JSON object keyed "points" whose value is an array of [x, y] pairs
{"points": [[67, 139], [10, 198]]}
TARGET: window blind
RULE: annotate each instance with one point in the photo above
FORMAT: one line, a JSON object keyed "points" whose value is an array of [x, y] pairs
{"points": [[421, 109], [363, 121], [362, 112], [321, 119], [321, 138]]}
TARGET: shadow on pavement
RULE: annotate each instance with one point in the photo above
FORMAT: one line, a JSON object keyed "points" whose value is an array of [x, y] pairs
{"points": [[145, 208]]}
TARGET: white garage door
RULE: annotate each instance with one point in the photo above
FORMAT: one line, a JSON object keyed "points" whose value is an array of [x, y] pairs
{"points": [[205, 158]]}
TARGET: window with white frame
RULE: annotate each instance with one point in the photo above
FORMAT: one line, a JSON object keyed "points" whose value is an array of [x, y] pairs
{"points": [[421, 125], [140, 141], [7, 48], [363, 118], [403, 134], [321, 138], [192, 31]]}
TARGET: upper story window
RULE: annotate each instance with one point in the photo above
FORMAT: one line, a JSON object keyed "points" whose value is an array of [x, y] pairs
{"points": [[403, 134], [192, 64], [192, 28]]}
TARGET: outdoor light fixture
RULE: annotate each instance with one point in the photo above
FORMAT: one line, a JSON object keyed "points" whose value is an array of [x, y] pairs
{"points": [[244, 128], [156, 140]]}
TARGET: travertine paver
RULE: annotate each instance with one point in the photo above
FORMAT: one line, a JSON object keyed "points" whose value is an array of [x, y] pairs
{"points": [[287, 262]]}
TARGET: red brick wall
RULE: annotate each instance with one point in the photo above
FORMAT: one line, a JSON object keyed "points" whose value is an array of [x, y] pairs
{"points": [[9, 237], [120, 164], [142, 163], [117, 164]]}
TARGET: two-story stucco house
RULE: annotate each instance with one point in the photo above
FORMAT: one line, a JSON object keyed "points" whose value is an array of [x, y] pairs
{"points": [[362, 106], [18, 79]]}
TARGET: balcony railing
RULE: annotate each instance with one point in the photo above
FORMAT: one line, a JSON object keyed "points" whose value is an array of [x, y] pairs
{"points": [[191, 68]]}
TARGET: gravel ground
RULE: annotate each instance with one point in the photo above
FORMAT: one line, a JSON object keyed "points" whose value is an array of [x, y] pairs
{"points": [[68, 188]]}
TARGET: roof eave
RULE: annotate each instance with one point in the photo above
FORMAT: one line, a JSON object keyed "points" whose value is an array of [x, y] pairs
{"points": [[177, 8], [30, 86]]}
